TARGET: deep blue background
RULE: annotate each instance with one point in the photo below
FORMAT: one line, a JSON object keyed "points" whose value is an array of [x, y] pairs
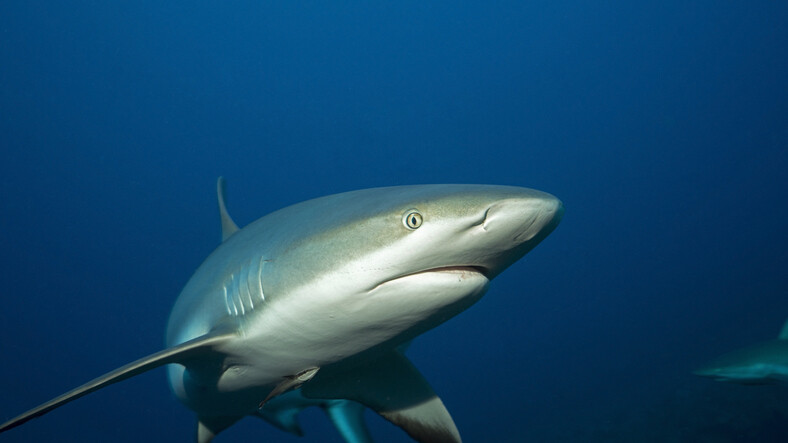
{"points": [[662, 126]]}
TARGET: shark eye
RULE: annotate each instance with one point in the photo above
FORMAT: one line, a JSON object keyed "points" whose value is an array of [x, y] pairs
{"points": [[412, 219]]}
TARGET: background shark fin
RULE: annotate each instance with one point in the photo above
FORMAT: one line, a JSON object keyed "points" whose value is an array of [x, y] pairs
{"points": [[208, 427], [391, 386], [176, 354], [784, 332], [228, 225]]}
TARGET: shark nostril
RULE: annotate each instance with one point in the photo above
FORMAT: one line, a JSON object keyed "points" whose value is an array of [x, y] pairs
{"points": [[482, 221], [484, 218]]}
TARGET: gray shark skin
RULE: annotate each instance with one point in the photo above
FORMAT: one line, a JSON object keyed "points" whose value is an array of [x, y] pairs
{"points": [[311, 306], [761, 363]]}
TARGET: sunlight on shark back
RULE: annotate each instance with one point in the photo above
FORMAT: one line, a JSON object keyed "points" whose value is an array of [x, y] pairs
{"points": [[311, 306]]}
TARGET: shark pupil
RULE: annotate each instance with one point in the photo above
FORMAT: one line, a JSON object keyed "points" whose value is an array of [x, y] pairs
{"points": [[413, 220]]}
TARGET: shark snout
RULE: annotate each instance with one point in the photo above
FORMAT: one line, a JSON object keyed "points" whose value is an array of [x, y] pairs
{"points": [[513, 226], [520, 220]]}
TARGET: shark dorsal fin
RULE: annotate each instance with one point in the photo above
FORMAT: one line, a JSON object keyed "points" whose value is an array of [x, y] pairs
{"points": [[182, 353], [228, 225], [784, 332], [391, 386]]}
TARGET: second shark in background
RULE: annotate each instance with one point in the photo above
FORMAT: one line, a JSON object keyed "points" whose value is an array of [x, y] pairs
{"points": [[762, 363]]}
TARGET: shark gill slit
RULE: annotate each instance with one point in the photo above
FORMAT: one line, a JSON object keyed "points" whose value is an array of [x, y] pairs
{"points": [[243, 287], [260, 278], [227, 300], [250, 286], [234, 294]]}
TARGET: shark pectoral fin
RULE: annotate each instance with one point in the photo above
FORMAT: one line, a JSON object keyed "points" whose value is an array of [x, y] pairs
{"points": [[391, 386], [348, 418], [208, 427], [176, 354], [228, 225]]}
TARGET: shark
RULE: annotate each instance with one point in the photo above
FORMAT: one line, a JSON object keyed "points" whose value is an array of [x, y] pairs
{"points": [[761, 363], [313, 305]]}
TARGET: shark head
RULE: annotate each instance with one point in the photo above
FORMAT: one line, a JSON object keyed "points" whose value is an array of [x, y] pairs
{"points": [[763, 363], [371, 265]]}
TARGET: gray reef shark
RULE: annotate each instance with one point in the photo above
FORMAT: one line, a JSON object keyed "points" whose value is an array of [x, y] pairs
{"points": [[312, 305], [761, 363]]}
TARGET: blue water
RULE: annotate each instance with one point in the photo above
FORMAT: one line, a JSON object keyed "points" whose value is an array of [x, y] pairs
{"points": [[663, 127]]}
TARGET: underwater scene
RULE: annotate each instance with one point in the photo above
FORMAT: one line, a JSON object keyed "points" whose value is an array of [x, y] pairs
{"points": [[653, 309]]}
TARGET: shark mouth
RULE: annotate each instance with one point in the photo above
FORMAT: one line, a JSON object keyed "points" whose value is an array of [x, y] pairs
{"points": [[461, 272], [453, 269]]}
